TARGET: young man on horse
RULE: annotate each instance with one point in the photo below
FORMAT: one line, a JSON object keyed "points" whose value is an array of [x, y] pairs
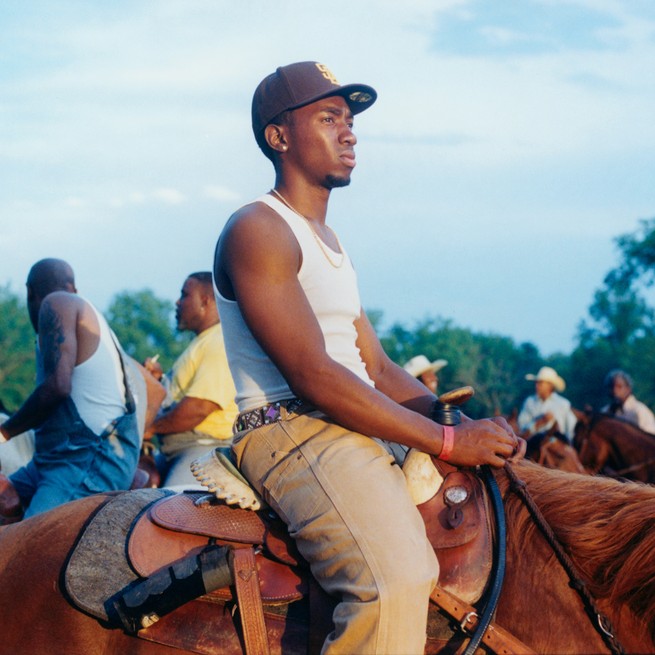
{"points": [[314, 385]]}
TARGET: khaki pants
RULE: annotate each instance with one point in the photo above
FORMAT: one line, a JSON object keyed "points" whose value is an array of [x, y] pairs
{"points": [[346, 503]]}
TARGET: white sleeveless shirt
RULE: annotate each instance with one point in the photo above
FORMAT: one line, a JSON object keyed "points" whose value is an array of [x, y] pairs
{"points": [[333, 296], [98, 390]]}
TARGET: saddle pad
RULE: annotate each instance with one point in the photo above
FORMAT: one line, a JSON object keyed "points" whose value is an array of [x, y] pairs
{"points": [[97, 567], [211, 519]]}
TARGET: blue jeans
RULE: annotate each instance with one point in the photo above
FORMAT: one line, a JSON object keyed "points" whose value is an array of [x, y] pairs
{"points": [[71, 461]]}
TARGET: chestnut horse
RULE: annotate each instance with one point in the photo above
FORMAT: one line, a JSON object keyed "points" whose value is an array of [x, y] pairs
{"points": [[613, 446], [550, 449], [606, 527]]}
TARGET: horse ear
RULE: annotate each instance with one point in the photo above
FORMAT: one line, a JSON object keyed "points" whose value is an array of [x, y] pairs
{"points": [[582, 416]]}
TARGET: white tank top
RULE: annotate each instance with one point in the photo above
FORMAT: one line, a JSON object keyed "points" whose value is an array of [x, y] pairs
{"points": [[98, 390], [334, 297]]}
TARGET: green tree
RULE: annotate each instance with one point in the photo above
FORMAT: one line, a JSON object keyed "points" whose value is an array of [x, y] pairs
{"points": [[638, 251], [493, 365], [17, 368], [145, 326], [620, 331]]}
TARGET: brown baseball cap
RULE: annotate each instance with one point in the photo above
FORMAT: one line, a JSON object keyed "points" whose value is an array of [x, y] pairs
{"points": [[299, 84]]}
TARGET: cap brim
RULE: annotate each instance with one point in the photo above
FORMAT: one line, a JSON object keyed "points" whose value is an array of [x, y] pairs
{"points": [[358, 96]]}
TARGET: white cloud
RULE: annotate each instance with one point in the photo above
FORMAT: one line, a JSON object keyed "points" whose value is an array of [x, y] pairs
{"points": [[169, 196]]}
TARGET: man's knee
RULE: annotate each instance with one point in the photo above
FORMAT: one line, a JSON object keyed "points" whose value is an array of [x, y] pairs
{"points": [[11, 509], [414, 576]]}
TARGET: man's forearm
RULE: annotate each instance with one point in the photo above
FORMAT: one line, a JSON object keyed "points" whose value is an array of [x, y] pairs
{"points": [[184, 416], [171, 422], [34, 411]]}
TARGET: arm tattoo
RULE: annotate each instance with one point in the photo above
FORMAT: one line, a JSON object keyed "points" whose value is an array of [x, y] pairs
{"points": [[51, 334]]}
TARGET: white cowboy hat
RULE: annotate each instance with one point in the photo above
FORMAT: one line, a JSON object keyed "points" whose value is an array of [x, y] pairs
{"points": [[547, 374], [421, 364]]}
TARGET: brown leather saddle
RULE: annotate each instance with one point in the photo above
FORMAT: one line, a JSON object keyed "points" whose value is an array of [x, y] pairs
{"points": [[182, 525], [269, 571], [459, 527]]}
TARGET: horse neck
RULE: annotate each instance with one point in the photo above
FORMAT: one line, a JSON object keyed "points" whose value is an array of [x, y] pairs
{"points": [[611, 539], [629, 444]]}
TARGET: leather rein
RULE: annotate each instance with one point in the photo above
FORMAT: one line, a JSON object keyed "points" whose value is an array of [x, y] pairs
{"points": [[599, 620], [446, 412], [495, 637]]}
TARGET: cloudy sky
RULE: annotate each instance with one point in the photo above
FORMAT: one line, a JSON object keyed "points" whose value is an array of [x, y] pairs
{"points": [[512, 141]]}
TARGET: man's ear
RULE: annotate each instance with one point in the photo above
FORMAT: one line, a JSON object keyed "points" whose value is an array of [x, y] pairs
{"points": [[275, 137]]}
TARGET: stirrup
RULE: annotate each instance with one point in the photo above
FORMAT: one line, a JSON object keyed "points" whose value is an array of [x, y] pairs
{"points": [[215, 471]]}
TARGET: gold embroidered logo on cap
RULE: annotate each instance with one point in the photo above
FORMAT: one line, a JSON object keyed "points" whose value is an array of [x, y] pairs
{"points": [[327, 74], [360, 96]]}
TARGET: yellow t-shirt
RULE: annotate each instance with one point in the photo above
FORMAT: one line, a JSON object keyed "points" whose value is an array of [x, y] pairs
{"points": [[201, 371]]}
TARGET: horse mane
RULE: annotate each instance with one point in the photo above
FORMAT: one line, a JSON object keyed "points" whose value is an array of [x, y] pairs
{"points": [[607, 528]]}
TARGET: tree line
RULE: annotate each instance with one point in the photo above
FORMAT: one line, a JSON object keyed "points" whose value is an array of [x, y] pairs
{"points": [[619, 332]]}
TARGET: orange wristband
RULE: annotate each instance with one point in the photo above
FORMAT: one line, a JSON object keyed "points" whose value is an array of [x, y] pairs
{"points": [[448, 442]]}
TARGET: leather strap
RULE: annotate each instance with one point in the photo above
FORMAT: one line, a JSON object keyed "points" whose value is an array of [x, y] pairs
{"points": [[246, 580], [495, 638]]}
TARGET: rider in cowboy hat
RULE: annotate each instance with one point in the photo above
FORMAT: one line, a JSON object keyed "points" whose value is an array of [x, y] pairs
{"points": [[546, 408], [421, 368]]}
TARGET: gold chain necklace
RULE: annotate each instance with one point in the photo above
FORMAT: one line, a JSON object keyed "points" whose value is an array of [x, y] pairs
{"points": [[319, 241]]}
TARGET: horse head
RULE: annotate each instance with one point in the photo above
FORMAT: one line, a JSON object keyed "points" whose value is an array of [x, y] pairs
{"points": [[616, 447], [594, 450]]}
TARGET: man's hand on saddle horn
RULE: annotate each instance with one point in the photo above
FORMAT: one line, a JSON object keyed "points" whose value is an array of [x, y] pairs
{"points": [[486, 441]]}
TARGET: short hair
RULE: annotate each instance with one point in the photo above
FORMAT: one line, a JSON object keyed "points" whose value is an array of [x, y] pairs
{"points": [[617, 373], [205, 279]]}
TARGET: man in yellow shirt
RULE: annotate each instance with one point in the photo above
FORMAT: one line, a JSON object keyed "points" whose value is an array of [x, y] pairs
{"points": [[199, 408]]}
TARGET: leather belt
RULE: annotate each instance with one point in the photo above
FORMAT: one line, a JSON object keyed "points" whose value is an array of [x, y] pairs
{"points": [[271, 413]]}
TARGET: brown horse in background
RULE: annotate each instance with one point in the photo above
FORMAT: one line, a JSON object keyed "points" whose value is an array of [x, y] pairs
{"points": [[550, 449], [612, 446], [608, 529]]}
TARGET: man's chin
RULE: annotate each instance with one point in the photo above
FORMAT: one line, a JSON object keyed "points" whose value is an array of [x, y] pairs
{"points": [[336, 181]]}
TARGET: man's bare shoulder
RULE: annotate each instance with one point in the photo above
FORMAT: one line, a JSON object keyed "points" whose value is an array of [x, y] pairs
{"points": [[255, 227], [63, 302], [255, 217], [70, 308]]}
